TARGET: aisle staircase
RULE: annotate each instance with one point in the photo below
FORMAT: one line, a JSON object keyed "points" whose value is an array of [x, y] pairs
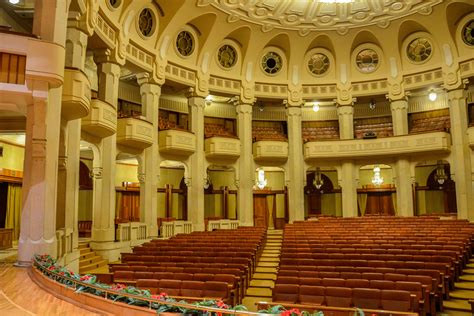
{"points": [[263, 280], [463, 292], [89, 262]]}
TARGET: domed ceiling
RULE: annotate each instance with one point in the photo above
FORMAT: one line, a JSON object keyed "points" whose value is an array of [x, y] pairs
{"points": [[305, 16]]}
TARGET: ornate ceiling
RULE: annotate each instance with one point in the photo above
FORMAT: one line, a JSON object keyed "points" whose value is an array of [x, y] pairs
{"points": [[305, 16]]}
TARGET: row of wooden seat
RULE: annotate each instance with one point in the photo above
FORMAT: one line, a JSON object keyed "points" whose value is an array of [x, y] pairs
{"points": [[187, 289], [394, 300], [196, 253], [84, 228], [134, 277], [211, 130], [424, 302], [379, 247]]}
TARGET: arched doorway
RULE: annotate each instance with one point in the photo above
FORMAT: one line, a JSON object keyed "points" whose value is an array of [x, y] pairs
{"points": [[377, 193], [322, 197]]}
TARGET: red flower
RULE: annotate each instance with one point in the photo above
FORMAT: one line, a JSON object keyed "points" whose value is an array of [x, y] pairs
{"points": [[221, 304], [85, 278], [51, 268]]}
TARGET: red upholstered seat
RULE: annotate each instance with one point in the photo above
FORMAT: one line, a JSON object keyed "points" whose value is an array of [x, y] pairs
{"points": [[311, 294], [366, 298], [192, 288], [338, 296], [395, 300], [285, 293]]}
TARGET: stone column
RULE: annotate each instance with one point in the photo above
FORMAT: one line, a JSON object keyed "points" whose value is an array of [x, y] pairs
{"points": [[349, 189], [399, 117], [404, 185], [196, 162], [460, 153], [103, 226], [246, 166], [346, 122], [38, 216], [150, 93], [69, 156], [295, 164]]}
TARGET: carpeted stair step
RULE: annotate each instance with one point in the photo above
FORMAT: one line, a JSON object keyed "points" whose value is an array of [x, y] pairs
{"points": [[268, 264], [90, 260], [457, 305], [92, 266], [264, 276], [265, 270], [83, 251], [83, 245], [467, 278], [464, 286], [259, 292], [269, 256], [87, 255], [448, 312], [470, 265], [262, 283], [268, 251], [468, 271], [462, 294]]}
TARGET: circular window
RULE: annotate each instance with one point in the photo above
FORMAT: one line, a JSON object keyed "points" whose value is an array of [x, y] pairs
{"points": [[271, 63], [367, 60], [468, 33], [318, 64], [115, 3], [419, 50], [227, 56], [146, 22], [185, 43]]}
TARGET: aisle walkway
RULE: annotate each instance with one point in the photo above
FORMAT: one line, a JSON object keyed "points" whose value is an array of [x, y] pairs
{"points": [[263, 279], [464, 290]]}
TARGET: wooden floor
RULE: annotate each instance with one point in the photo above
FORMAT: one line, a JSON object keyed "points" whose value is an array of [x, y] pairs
{"points": [[19, 295]]}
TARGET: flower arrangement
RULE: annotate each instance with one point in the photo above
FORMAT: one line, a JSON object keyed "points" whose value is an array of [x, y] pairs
{"points": [[49, 264]]}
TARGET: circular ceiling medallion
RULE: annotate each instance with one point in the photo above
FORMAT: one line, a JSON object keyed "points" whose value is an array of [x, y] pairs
{"points": [[185, 43], [319, 15], [367, 60], [468, 33], [419, 50], [146, 22], [271, 63], [227, 56], [318, 64]]}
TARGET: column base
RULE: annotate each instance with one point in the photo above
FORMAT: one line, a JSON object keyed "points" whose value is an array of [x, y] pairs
{"points": [[152, 231], [22, 264], [103, 234], [28, 248]]}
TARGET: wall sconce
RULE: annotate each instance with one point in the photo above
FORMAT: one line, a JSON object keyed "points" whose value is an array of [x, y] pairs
{"points": [[432, 96], [377, 180], [316, 106], [261, 181], [372, 104], [317, 181], [440, 175]]}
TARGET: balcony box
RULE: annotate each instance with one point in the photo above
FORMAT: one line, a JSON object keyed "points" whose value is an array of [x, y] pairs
{"points": [[76, 98], [134, 132], [222, 147], [176, 142], [102, 119], [470, 134], [270, 151], [427, 143]]}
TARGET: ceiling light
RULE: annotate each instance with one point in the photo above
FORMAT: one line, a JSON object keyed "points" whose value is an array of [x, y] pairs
{"points": [[14, 1], [432, 96], [372, 104], [316, 107]]}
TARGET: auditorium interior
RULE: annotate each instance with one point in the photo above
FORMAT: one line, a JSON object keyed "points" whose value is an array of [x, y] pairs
{"points": [[285, 156]]}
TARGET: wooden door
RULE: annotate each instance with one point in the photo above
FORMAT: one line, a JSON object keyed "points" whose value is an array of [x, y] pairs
{"points": [[260, 210], [314, 203]]}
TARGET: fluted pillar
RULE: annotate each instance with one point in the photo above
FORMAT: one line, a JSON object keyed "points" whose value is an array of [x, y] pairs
{"points": [[295, 164], [196, 162], [150, 93], [345, 114], [39, 192], [103, 226], [349, 189], [460, 153], [246, 166], [399, 117], [404, 183]]}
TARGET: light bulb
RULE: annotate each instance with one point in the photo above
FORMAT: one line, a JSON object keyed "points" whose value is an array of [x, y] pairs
{"points": [[14, 1], [316, 107], [432, 96]]}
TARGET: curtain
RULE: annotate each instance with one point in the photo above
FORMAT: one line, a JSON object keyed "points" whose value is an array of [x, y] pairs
{"points": [[394, 201], [362, 199], [13, 217], [271, 223]]}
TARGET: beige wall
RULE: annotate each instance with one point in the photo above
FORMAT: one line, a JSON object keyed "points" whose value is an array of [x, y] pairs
{"points": [[13, 156], [170, 176], [428, 201], [125, 173], [366, 175]]}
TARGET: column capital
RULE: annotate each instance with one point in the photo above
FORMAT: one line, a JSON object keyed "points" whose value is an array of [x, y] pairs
{"points": [[195, 100], [105, 56], [401, 104], [345, 109], [293, 111], [244, 108], [193, 93], [96, 173], [457, 94], [141, 176], [145, 78]]}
